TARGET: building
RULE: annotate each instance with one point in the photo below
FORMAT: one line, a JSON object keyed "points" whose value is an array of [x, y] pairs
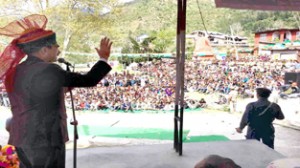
{"points": [[279, 44], [215, 45]]}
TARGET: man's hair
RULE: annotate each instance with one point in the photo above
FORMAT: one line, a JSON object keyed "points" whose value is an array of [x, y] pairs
{"points": [[216, 161], [263, 92], [36, 45]]}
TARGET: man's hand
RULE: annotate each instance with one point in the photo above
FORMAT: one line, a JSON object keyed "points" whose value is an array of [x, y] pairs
{"points": [[104, 51], [238, 130]]}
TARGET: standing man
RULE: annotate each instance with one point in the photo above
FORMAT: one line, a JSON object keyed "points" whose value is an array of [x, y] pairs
{"points": [[35, 89], [259, 116], [232, 99]]}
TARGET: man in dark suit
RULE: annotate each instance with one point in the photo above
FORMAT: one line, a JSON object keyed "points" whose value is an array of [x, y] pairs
{"points": [[36, 92]]}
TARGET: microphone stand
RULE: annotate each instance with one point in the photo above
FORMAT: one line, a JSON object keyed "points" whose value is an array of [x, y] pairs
{"points": [[74, 123]]}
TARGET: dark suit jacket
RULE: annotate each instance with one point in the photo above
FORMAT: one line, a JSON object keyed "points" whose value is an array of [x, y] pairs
{"points": [[37, 101]]}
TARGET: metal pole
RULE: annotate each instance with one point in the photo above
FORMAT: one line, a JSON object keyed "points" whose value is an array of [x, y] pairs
{"points": [[182, 62], [177, 89], [74, 123]]}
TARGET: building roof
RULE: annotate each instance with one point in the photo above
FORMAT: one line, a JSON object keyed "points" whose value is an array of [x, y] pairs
{"points": [[273, 30], [217, 35], [203, 47]]}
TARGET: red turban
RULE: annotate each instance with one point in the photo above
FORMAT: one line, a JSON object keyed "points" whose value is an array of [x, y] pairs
{"points": [[24, 31]]}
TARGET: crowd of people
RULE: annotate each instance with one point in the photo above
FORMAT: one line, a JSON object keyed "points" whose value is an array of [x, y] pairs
{"points": [[151, 85]]}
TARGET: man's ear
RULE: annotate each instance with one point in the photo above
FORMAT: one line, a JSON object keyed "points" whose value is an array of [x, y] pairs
{"points": [[42, 53], [44, 49]]}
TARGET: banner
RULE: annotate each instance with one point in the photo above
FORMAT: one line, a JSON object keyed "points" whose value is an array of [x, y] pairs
{"points": [[285, 5]]}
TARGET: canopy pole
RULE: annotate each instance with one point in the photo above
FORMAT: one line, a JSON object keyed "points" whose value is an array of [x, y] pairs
{"points": [[180, 61]]}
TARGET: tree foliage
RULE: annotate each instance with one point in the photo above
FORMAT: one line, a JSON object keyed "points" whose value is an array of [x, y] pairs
{"points": [[80, 24]]}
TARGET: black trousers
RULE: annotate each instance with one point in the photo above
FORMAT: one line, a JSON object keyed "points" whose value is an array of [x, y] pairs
{"points": [[267, 139], [46, 157]]}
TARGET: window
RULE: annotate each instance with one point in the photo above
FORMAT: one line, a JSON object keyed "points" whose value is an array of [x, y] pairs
{"points": [[263, 37], [298, 35], [275, 36], [287, 35]]}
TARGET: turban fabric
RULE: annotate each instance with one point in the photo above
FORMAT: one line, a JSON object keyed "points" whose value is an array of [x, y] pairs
{"points": [[29, 36]]}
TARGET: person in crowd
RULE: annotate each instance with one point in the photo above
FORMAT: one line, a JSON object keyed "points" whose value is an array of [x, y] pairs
{"points": [[259, 116], [295, 88], [295, 91], [202, 103], [192, 104], [292, 90], [274, 97], [126, 106], [35, 89], [232, 99], [221, 100]]}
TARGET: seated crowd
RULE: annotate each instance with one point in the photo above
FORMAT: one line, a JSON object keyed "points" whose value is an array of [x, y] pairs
{"points": [[151, 85]]}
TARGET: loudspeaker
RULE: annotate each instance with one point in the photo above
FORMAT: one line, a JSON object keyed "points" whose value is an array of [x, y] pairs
{"points": [[292, 77]]}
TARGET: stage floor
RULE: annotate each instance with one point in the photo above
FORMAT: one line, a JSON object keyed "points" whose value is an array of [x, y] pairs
{"points": [[246, 153]]}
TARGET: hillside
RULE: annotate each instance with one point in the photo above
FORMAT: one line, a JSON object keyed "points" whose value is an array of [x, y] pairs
{"points": [[153, 16]]}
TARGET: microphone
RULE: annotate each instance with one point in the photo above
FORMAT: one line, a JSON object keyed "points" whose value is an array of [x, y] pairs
{"points": [[62, 60]]}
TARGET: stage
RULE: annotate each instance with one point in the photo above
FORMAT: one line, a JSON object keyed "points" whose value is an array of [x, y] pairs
{"points": [[246, 153]]}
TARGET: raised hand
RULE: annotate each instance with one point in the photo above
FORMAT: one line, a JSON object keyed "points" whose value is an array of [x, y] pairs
{"points": [[104, 48]]}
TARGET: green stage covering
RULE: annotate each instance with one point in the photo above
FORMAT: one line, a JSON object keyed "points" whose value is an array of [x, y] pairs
{"points": [[136, 133], [142, 133], [129, 132], [205, 138]]}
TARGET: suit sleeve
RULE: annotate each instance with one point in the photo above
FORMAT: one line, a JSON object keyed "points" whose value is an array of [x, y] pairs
{"points": [[92, 78], [71, 79], [52, 78]]}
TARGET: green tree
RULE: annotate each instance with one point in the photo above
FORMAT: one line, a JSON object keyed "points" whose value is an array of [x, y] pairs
{"points": [[79, 24], [164, 40]]}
